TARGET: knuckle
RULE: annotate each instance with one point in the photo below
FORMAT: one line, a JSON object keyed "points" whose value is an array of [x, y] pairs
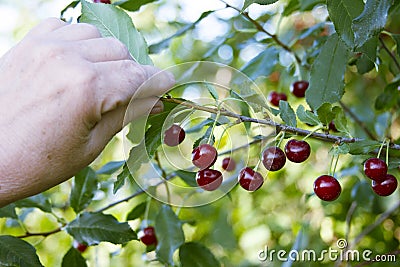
{"points": [[89, 29], [118, 47]]}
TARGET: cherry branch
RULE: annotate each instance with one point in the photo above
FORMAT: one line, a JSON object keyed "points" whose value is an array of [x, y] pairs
{"points": [[396, 62], [44, 234]]}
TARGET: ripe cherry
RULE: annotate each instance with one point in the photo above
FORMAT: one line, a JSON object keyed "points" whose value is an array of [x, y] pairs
{"points": [[275, 97], [273, 158], [204, 156], [385, 187], [80, 246], [148, 236], [327, 188], [332, 126], [250, 179], [209, 179], [375, 169], [102, 1], [299, 88], [228, 164], [174, 135], [297, 150]]}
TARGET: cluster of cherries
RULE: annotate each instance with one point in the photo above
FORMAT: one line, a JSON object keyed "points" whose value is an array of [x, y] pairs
{"points": [[383, 184]]}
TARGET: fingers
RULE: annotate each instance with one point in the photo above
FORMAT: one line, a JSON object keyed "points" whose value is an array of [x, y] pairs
{"points": [[119, 81], [46, 26], [75, 32], [102, 49]]}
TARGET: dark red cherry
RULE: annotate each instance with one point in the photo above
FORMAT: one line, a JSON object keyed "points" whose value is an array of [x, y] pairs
{"points": [[80, 246], [299, 88], [174, 135], [250, 179], [102, 1], [273, 158], [148, 236], [375, 169], [204, 156], [332, 126], [297, 150], [385, 187], [275, 97], [228, 164], [209, 179], [327, 188]]}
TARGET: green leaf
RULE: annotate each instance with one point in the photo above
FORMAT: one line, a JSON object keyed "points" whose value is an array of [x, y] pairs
{"points": [[287, 114], [121, 177], [38, 201], [388, 98], [17, 252], [8, 212], [261, 2], [363, 147], [361, 193], [396, 37], [136, 212], [371, 21], [341, 121], [327, 74], [188, 177], [110, 167], [342, 13], [262, 64], [93, 228], [366, 62], [73, 258], [170, 235], [132, 5], [114, 22], [82, 193], [211, 89], [204, 139], [306, 116], [327, 113], [341, 149], [193, 254]]}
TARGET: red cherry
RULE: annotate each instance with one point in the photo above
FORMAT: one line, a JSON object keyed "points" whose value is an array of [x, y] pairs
{"points": [[228, 164], [204, 156], [273, 158], [299, 88], [174, 135], [80, 246], [209, 179], [375, 169], [297, 150], [102, 1], [332, 126], [250, 179], [385, 187], [148, 236], [275, 97], [327, 188]]}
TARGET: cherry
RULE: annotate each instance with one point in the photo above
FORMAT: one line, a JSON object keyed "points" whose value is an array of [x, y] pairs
{"points": [[102, 1], [148, 236], [273, 158], [174, 135], [297, 150], [327, 188], [299, 88], [332, 126], [80, 246], [209, 179], [275, 97], [385, 187], [204, 156], [375, 169], [250, 179], [228, 164]]}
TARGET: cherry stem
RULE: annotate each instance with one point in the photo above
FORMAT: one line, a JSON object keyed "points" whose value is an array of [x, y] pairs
{"points": [[334, 166], [380, 148], [312, 132], [281, 139], [213, 127], [146, 212], [387, 151]]}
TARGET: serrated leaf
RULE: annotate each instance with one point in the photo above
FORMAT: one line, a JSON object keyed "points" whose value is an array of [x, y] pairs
{"points": [[326, 113], [82, 193], [132, 5], [17, 252], [8, 212], [136, 212], [170, 235], [307, 116], [371, 21], [122, 176], [110, 167], [341, 149], [114, 22], [193, 254], [247, 3], [188, 177], [287, 114], [211, 89], [73, 258], [389, 97], [262, 64], [342, 13], [366, 62], [341, 121], [327, 73], [93, 228], [363, 147]]}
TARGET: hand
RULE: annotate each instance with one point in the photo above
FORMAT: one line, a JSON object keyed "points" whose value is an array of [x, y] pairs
{"points": [[63, 94]]}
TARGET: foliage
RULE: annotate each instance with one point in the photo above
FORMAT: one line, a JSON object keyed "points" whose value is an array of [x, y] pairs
{"points": [[351, 57]]}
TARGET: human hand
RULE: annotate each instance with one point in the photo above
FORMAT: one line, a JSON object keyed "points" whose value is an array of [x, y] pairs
{"points": [[64, 91]]}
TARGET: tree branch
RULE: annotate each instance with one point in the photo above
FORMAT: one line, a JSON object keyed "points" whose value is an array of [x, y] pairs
{"points": [[396, 62], [44, 234]]}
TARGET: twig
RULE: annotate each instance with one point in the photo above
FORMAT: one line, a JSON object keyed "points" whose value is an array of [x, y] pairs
{"points": [[28, 234], [389, 53]]}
